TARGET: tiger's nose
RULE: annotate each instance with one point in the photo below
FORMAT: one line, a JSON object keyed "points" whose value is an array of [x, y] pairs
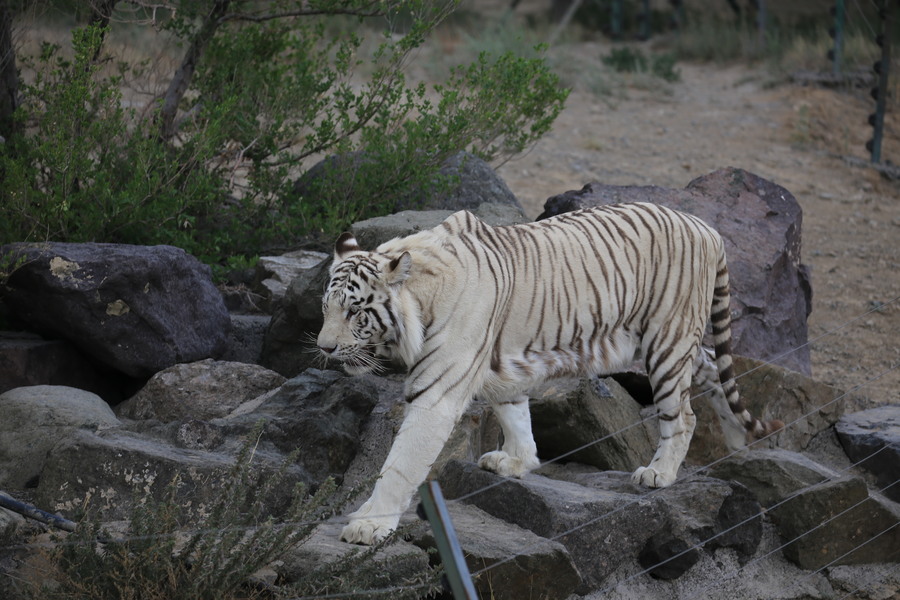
{"points": [[326, 349]]}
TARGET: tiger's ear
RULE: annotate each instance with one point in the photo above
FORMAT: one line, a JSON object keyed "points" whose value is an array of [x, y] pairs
{"points": [[397, 271], [345, 245]]}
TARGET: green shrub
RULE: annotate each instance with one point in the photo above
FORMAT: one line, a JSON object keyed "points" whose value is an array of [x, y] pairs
{"points": [[268, 96]]}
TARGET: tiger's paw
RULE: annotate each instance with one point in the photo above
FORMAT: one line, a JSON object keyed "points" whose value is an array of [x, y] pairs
{"points": [[503, 464], [650, 477], [365, 531]]}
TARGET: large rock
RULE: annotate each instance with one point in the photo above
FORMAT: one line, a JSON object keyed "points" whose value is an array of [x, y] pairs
{"points": [[604, 521], [277, 272], [760, 223], [111, 470], [137, 309], [824, 516], [322, 556], [35, 419], [773, 475], [202, 390], [464, 181], [289, 345], [568, 416], [319, 414], [245, 344], [871, 438], [474, 183], [838, 523]]}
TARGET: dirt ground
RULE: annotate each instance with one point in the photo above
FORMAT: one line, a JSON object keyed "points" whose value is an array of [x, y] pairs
{"points": [[793, 135]]}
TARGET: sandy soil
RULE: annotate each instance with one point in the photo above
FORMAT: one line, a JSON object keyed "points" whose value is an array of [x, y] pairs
{"points": [[794, 135]]}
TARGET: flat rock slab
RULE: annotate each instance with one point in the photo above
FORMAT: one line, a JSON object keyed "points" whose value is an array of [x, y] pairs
{"points": [[398, 563]]}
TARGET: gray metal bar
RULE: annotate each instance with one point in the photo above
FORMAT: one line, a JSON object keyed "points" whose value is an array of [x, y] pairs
{"points": [[10, 503], [884, 67], [448, 546], [838, 50]]}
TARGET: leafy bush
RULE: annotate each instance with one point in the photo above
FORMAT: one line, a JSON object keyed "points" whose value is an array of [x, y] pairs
{"points": [[263, 94]]}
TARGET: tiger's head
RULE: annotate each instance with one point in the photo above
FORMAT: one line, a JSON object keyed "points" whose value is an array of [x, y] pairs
{"points": [[367, 317]]}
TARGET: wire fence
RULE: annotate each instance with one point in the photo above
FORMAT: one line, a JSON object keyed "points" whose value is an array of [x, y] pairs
{"points": [[703, 592]]}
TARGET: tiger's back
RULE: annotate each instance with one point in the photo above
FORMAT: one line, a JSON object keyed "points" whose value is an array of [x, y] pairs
{"points": [[583, 290]]}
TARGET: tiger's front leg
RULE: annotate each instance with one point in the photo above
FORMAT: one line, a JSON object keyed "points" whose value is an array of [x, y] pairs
{"points": [[429, 421]]}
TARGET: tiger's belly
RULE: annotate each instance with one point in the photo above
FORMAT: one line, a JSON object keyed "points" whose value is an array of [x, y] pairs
{"points": [[518, 369]]}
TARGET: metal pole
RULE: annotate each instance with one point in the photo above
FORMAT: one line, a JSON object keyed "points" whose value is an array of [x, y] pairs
{"points": [[882, 68], [9, 503], [616, 19], [837, 51], [445, 537]]}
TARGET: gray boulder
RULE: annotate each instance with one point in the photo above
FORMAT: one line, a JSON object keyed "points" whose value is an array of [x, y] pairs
{"points": [[871, 438], [761, 224], [111, 470], [838, 523], [202, 390], [773, 475], [569, 414], [473, 183], [35, 419], [137, 309], [319, 414], [322, 555], [245, 341]]}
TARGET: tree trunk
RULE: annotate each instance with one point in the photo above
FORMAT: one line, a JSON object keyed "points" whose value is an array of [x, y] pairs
{"points": [[9, 79], [100, 14], [182, 78]]}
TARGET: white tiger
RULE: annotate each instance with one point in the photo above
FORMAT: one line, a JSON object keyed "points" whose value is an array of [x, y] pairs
{"points": [[490, 311]]}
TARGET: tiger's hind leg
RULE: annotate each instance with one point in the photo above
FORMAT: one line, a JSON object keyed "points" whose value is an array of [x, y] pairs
{"points": [[519, 452], [671, 393]]}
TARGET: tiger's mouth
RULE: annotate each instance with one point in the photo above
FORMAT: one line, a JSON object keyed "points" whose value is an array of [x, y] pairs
{"points": [[360, 362]]}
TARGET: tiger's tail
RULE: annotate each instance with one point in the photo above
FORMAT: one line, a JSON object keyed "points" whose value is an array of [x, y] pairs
{"points": [[720, 318]]}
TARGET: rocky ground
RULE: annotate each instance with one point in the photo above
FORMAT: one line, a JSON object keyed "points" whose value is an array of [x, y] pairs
{"points": [[797, 136]]}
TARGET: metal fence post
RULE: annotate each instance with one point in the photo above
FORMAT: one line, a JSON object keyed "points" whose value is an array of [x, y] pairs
{"points": [[457, 571]]}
